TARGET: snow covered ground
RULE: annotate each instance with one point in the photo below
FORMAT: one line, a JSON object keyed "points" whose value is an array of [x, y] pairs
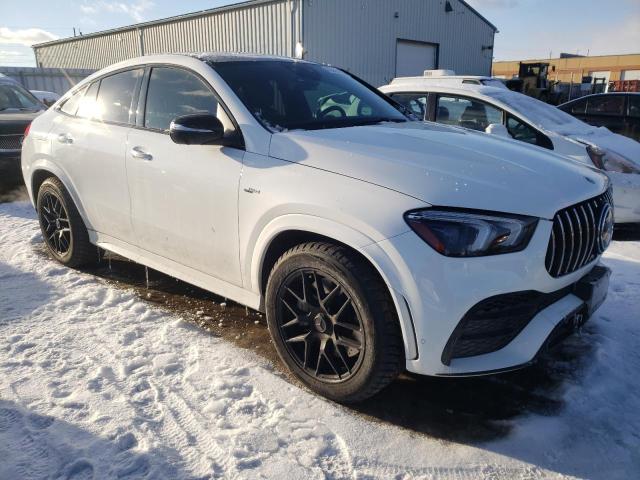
{"points": [[96, 382]]}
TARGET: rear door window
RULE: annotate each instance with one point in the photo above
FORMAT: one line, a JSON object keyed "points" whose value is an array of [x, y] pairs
{"points": [[466, 112], [87, 107], [606, 105], [70, 105], [115, 96]]}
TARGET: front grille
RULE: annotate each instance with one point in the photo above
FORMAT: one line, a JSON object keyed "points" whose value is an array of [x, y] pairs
{"points": [[10, 142], [494, 322], [574, 236]]}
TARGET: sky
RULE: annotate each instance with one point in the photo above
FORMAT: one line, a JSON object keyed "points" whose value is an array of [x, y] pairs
{"points": [[527, 28]]}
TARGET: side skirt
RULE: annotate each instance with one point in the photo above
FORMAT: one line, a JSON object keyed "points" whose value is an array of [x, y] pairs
{"points": [[176, 270]]}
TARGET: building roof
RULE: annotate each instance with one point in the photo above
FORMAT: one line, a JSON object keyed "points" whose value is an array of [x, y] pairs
{"points": [[224, 8], [234, 6], [482, 17]]}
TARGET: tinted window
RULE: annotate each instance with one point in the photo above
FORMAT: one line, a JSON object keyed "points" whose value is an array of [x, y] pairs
{"points": [[14, 97], [88, 108], [521, 131], [467, 113], [606, 105], [115, 96], [416, 102], [578, 107], [70, 105], [174, 92], [525, 133], [634, 106], [299, 95]]}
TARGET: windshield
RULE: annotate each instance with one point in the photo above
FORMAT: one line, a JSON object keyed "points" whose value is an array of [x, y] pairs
{"points": [[14, 97], [289, 95], [540, 113]]}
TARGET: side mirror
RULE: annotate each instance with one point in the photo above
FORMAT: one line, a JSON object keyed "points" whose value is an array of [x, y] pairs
{"points": [[196, 129], [498, 129]]}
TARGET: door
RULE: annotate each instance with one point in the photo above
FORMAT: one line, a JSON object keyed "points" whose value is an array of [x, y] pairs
{"points": [[607, 111], [89, 138], [413, 58], [184, 197]]}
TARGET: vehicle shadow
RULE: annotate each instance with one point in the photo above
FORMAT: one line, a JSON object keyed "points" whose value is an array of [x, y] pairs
{"points": [[41, 446], [478, 409], [21, 294], [484, 412], [462, 410]]}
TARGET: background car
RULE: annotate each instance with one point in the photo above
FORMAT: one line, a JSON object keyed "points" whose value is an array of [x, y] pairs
{"points": [[48, 98], [18, 108], [513, 115], [619, 112]]}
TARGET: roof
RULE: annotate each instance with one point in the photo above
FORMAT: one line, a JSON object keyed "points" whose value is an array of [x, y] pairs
{"points": [[234, 6], [483, 18], [436, 78], [218, 57]]}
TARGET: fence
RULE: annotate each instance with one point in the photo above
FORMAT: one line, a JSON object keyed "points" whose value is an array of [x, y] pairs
{"points": [[56, 80]]}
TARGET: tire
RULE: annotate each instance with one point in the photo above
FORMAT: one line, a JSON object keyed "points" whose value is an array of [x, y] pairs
{"points": [[347, 347], [63, 229]]}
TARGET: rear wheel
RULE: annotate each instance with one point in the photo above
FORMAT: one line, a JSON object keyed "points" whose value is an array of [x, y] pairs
{"points": [[333, 322], [63, 230]]}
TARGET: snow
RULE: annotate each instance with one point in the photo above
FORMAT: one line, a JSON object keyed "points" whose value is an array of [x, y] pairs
{"points": [[554, 120], [95, 382]]}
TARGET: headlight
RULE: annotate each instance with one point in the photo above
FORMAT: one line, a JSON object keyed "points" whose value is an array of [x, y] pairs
{"points": [[611, 161], [456, 233]]}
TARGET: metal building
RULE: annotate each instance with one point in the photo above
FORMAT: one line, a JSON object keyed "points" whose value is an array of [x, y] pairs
{"points": [[49, 79], [375, 39]]}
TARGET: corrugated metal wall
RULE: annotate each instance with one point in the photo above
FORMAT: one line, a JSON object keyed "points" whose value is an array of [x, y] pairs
{"points": [[269, 27], [48, 79], [89, 52], [361, 35]]}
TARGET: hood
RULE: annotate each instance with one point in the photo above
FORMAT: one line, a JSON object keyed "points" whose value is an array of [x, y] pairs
{"points": [[607, 140], [446, 166], [12, 122]]}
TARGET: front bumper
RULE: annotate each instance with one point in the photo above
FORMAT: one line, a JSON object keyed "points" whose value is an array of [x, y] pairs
{"points": [[439, 291]]}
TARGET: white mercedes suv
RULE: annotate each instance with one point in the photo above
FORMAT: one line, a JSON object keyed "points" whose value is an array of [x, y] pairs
{"points": [[374, 243]]}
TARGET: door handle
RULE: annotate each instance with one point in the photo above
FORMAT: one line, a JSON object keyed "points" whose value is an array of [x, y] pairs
{"points": [[65, 138], [138, 152]]}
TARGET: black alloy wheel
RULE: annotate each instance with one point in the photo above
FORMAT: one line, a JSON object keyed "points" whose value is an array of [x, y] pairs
{"points": [[333, 321], [319, 324], [63, 229], [55, 224]]}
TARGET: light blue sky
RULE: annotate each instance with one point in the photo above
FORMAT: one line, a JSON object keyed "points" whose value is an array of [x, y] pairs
{"points": [[528, 28]]}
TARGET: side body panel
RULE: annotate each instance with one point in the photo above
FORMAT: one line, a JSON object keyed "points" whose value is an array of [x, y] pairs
{"points": [[184, 202], [92, 153], [350, 211]]}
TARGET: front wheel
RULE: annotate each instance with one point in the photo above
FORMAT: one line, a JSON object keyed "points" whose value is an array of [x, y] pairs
{"points": [[333, 322], [63, 230]]}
